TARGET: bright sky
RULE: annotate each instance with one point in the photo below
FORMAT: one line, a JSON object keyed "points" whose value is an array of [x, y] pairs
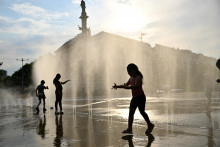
{"points": [[32, 28]]}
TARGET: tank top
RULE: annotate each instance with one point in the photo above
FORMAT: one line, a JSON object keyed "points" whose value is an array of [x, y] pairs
{"points": [[136, 91]]}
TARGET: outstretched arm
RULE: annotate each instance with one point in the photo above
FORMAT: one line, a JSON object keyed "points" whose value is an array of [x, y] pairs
{"points": [[65, 82], [46, 87], [121, 86], [138, 81]]}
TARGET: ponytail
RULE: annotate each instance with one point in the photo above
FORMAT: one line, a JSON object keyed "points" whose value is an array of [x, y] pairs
{"points": [[140, 74]]}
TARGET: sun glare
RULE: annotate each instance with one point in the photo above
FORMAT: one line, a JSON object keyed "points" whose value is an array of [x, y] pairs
{"points": [[129, 20]]}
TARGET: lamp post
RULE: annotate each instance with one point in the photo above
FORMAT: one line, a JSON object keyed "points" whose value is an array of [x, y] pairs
{"points": [[22, 78], [141, 37]]}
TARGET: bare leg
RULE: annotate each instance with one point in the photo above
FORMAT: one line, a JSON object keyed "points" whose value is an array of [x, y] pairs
{"points": [[56, 105], [57, 98], [150, 125], [60, 104], [44, 103], [145, 116], [131, 118], [39, 102]]}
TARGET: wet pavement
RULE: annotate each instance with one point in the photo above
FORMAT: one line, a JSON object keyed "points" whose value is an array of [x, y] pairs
{"points": [[180, 120]]}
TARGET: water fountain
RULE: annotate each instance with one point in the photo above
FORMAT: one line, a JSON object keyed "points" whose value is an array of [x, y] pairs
{"points": [[94, 63]]}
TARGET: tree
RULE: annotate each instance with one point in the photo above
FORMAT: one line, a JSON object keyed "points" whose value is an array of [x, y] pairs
{"points": [[15, 79]]}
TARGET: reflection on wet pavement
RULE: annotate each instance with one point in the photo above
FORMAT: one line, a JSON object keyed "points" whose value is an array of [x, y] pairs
{"points": [[179, 122]]}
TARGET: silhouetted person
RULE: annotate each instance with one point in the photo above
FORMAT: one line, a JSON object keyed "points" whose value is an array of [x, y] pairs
{"points": [[138, 97], [41, 127], [58, 92], [218, 66], [40, 94], [59, 131]]}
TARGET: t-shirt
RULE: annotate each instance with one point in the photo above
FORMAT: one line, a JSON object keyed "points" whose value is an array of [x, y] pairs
{"points": [[56, 82], [40, 89], [136, 91]]}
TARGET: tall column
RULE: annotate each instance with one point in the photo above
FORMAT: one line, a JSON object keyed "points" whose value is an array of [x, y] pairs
{"points": [[85, 31]]}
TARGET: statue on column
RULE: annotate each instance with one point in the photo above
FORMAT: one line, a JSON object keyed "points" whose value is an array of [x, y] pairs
{"points": [[83, 5]]}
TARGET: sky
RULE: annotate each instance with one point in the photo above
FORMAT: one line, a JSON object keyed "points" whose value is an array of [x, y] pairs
{"points": [[31, 28]]}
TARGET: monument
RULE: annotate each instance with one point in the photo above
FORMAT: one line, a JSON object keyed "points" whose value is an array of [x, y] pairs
{"points": [[85, 31]]}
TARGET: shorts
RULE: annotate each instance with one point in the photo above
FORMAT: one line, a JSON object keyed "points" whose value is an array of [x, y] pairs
{"points": [[41, 95], [138, 102]]}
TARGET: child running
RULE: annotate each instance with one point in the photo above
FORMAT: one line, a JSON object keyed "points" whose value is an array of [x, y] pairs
{"points": [[40, 94], [138, 97]]}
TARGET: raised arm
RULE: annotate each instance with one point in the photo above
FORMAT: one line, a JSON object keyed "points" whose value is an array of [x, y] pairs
{"points": [[65, 82]]}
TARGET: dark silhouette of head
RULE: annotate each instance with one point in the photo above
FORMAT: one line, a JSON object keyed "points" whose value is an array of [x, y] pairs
{"points": [[58, 76], [132, 68], [218, 64], [42, 82]]}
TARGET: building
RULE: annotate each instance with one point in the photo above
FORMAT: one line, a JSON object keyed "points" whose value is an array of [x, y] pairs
{"points": [[95, 62]]}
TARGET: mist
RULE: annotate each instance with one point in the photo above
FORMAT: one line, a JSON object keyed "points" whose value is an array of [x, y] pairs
{"points": [[10, 97], [95, 63]]}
